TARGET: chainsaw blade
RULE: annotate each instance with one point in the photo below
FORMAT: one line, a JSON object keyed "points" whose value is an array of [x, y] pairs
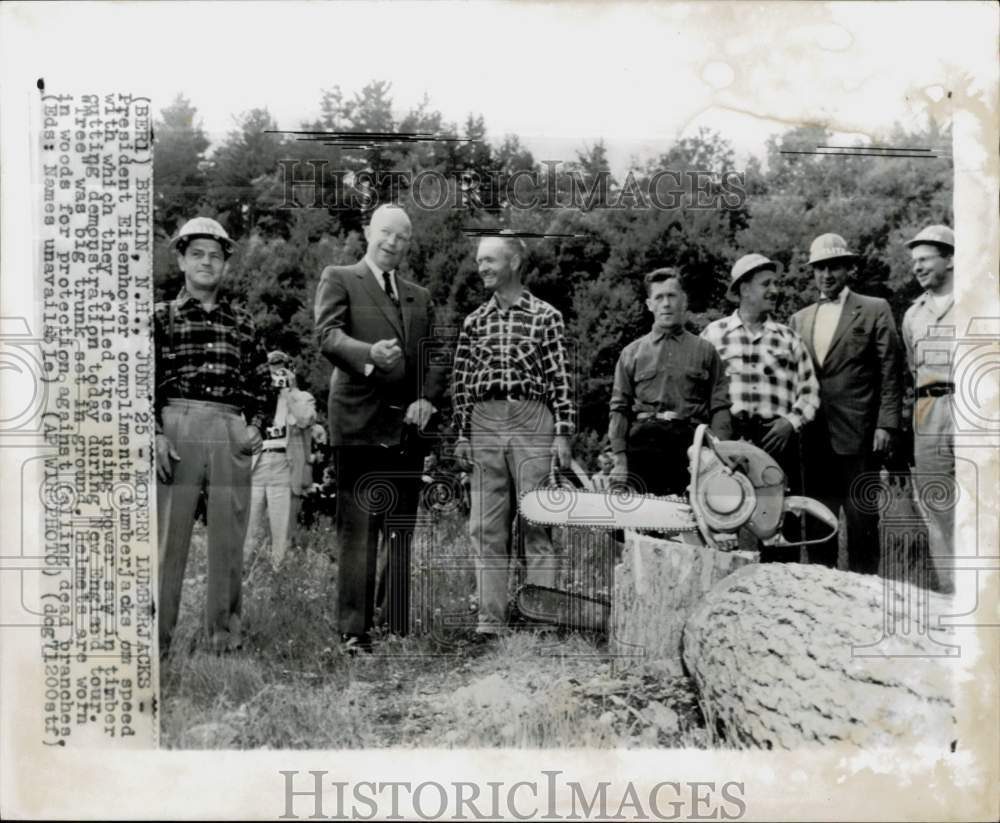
{"points": [[541, 604], [606, 510]]}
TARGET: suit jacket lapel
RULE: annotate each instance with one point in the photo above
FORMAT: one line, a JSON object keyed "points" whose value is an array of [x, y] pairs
{"points": [[852, 309], [379, 297]]}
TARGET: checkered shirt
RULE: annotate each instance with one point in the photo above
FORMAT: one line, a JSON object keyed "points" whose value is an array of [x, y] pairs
{"points": [[213, 355], [770, 374], [517, 354]]}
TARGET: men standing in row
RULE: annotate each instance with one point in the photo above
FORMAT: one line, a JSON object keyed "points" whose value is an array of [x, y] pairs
{"points": [[373, 326], [209, 404], [929, 337], [855, 350], [771, 381], [281, 472], [666, 383], [513, 407]]}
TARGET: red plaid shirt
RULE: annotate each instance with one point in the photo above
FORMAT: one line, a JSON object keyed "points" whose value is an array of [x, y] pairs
{"points": [[519, 354], [210, 355]]}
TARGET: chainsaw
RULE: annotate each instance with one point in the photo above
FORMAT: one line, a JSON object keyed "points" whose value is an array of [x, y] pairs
{"points": [[734, 485]]}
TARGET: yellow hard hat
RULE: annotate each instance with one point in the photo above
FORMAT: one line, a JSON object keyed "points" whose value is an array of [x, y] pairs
{"points": [[828, 247], [938, 235], [204, 227]]}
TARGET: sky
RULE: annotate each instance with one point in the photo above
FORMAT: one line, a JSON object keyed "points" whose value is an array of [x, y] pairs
{"points": [[559, 75]]}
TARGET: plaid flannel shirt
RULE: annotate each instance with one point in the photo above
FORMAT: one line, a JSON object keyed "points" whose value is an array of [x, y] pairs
{"points": [[210, 355], [517, 354], [770, 374]]}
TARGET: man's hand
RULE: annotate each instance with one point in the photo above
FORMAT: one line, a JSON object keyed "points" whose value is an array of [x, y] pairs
{"points": [[777, 437], [255, 441], [619, 471], [562, 451], [164, 454], [419, 412], [385, 354], [882, 441], [897, 470], [463, 453]]}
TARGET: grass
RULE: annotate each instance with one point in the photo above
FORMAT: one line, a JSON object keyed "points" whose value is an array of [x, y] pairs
{"points": [[291, 687]]}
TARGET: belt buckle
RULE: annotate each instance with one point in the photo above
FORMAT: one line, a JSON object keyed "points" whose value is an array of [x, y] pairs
{"points": [[668, 416]]}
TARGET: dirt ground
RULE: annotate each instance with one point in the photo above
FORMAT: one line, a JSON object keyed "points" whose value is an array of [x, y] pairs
{"points": [[291, 686]]}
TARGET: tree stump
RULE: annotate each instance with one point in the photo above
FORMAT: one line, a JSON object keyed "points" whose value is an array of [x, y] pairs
{"points": [[657, 585], [788, 655]]}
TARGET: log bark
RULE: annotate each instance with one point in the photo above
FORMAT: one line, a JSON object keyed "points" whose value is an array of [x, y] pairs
{"points": [[789, 655], [658, 583]]}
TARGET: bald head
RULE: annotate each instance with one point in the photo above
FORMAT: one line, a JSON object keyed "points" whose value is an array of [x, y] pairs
{"points": [[388, 235]]}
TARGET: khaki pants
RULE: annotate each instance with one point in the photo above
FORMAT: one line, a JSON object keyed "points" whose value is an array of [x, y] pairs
{"points": [[211, 441], [934, 482], [511, 442], [271, 505]]}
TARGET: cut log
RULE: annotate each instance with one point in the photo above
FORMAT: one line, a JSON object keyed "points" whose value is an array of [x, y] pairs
{"points": [[787, 655], [657, 585]]}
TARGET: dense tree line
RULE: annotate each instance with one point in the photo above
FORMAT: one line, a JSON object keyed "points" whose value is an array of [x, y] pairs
{"points": [[592, 263]]}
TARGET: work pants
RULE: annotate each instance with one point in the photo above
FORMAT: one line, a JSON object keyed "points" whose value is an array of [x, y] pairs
{"points": [[211, 440]]}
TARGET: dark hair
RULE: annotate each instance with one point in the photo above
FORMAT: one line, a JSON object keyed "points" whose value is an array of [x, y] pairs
{"points": [[182, 244], [662, 276]]}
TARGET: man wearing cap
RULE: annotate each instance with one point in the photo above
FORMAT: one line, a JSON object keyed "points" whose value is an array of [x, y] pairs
{"points": [[772, 384], [209, 405], [666, 383], [281, 472], [514, 414], [375, 328], [856, 353], [929, 337]]}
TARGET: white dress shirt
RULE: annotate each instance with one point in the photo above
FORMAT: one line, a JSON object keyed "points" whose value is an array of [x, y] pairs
{"points": [[827, 317], [377, 272]]}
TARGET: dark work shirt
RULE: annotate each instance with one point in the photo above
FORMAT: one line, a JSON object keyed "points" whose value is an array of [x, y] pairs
{"points": [[211, 355], [666, 372]]}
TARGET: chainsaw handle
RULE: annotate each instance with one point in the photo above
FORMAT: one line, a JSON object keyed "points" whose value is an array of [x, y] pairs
{"points": [[797, 505]]}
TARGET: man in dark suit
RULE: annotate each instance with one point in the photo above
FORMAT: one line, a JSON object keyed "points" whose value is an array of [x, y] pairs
{"points": [[856, 351], [375, 327]]}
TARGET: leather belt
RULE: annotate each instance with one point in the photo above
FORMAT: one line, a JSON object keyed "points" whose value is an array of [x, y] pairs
{"points": [[279, 449], [496, 394], [663, 415], [936, 390]]}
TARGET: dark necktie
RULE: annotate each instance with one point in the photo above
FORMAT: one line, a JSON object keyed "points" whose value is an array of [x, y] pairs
{"points": [[390, 292]]}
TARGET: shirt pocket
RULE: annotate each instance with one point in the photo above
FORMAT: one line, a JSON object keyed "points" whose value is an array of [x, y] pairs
{"points": [[647, 386], [777, 363], [486, 352], [526, 359], [856, 338]]}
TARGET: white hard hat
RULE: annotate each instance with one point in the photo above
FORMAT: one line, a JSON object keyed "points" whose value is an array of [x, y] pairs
{"points": [[938, 235], [828, 247], [747, 265], [204, 227]]}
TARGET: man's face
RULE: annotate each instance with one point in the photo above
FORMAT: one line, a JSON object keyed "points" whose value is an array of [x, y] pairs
{"points": [[388, 237], [496, 263], [203, 263], [759, 293], [832, 275], [931, 268], [668, 303]]}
